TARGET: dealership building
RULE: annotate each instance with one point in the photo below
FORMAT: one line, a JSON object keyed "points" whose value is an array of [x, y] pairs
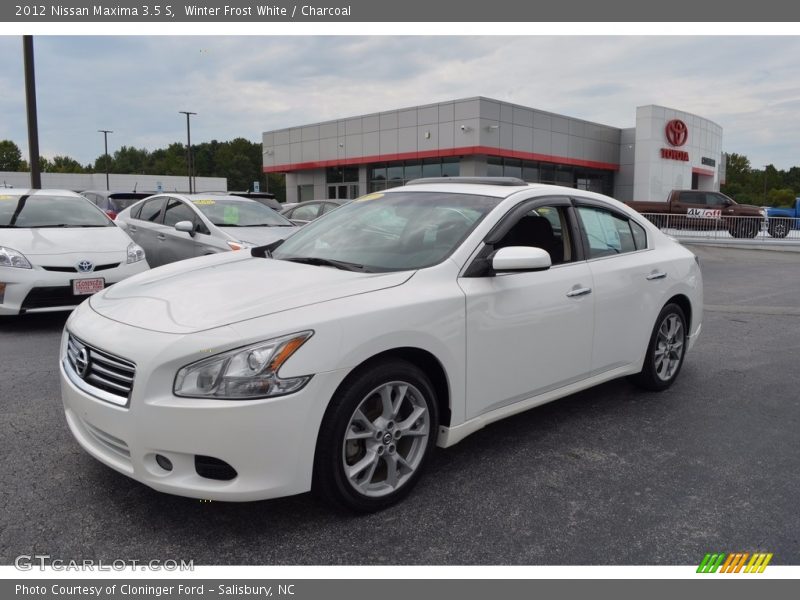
{"points": [[345, 158]]}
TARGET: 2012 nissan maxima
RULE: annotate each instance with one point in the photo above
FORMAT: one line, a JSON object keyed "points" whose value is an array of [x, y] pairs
{"points": [[336, 360]]}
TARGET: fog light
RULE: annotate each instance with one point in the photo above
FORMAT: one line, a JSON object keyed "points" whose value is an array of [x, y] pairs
{"points": [[164, 462]]}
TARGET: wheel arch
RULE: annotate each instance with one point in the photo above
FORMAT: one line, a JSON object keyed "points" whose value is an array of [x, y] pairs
{"points": [[686, 306], [424, 360]]}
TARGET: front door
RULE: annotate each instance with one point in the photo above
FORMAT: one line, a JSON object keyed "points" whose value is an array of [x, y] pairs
{"points": [[530, 332]]}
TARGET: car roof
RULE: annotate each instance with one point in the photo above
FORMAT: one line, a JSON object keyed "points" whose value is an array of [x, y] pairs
{"points": [[460, 187], [212, 196], [33, 192], [109, 193]]}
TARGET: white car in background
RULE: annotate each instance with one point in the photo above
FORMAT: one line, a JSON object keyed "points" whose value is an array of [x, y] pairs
{"points": [[336, 360], [56, 249]]}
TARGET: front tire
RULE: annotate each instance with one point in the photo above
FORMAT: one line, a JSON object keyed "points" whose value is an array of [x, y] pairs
{"points": [[665, 352], [779, 228], [376, 437]]}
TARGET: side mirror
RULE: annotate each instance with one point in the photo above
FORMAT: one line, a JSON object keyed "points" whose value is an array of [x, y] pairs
{"points": [[185, 226], [520, 258]]}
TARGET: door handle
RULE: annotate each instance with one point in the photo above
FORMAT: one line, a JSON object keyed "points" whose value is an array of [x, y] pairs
{"points": [[656, 275], [162, 237], [577, 292]]}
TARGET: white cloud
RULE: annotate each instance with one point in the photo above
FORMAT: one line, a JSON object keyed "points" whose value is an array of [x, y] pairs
{"points": [[242, 86]]}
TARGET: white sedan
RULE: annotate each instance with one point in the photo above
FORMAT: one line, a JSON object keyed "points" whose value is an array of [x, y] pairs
{"points": [[336, 360], [57, 248]]}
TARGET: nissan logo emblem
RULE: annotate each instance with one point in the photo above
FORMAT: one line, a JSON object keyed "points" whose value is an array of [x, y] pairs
{"points": [[85, 266], [677, 132], [82, 362]]}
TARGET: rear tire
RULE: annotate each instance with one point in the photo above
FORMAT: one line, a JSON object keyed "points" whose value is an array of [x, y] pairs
{"points": [[665, 352], [376, 437]]}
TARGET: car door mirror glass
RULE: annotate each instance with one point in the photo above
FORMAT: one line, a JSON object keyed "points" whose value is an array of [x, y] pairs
{"points": [[520, 258]]}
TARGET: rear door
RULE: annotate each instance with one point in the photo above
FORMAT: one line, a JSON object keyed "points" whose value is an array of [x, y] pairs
{"points": [[146, 226], [629, 284]]}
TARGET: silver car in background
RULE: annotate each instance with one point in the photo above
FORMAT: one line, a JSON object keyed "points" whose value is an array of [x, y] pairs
{"points": [[172, 227]]}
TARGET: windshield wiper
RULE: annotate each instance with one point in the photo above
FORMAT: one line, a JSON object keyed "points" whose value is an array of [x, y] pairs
{"points": [[326, 262]]}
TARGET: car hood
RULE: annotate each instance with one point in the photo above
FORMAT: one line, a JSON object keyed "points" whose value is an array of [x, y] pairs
{"points": [[213, 291], [258, 236], [67, 240]]}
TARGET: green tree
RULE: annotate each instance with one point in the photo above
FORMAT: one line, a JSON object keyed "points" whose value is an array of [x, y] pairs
{"points": [[10, 156], [65, 164]]}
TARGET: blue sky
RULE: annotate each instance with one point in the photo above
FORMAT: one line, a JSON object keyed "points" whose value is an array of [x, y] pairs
{"points": [[244, 85]]}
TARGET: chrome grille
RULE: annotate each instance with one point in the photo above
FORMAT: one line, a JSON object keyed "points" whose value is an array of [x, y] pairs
{"points": [[99, 373]]}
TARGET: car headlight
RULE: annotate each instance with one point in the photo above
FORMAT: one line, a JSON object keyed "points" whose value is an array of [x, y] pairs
{"points": [[11, 258], [135, 253], [244, 373], [238, 245]]}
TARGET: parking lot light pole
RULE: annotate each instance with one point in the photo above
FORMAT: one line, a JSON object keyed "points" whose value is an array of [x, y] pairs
{"points": [[105, 133], [188, 145], [30, 97]]}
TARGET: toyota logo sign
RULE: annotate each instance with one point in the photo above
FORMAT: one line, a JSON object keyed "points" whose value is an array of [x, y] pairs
{"points": [[85, 266], [677, 132]]}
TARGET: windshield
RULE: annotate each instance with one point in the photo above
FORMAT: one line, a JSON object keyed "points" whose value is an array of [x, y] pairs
{"points": [[239, 213], [388, 232], [50, 211]]}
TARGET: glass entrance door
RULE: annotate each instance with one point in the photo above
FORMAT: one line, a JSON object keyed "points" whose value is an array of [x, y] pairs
{"points": [[342, 191]]}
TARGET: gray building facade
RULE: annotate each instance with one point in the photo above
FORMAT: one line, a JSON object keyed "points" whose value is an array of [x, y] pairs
{"points": [[480, 136]]}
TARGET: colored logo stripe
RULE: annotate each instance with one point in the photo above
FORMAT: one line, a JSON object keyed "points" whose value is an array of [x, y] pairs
{"points": [[710, 563], [734, 562]]}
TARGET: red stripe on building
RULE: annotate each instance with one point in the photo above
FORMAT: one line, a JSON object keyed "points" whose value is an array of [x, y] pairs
{"points": [[699, 171], [441, 153]]}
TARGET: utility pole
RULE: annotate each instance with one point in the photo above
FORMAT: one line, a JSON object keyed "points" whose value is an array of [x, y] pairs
{"points": [[105, 133], [30, 98], [188, 146]]}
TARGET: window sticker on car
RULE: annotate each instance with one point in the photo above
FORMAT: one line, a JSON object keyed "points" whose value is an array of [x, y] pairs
{"points": [[230, 215], [704, 213], [203, 202], [370, 197]]}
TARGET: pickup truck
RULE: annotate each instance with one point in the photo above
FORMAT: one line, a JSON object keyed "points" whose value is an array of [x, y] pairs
{"points": [[697, 209], [782, 220]]}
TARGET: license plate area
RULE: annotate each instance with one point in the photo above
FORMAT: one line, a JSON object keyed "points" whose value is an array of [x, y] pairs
{"points": [[87, 287]]}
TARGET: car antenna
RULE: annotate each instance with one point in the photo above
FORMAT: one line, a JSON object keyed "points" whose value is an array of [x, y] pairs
{"points": [[134, 187]]}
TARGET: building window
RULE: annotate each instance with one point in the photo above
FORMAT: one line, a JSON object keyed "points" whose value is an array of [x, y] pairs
{"points": [[383, 176], [341, 175], [593, 180]]}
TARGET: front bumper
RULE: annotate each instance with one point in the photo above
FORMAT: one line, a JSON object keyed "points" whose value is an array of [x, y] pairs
{"points": [[270, 442], [20, 282]]}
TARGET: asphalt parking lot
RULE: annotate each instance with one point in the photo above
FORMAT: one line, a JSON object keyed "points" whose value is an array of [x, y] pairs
{"points": [[612, 475]]}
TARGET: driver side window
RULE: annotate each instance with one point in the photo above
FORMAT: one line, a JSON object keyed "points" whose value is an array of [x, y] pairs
{"points": [[546, 227]]}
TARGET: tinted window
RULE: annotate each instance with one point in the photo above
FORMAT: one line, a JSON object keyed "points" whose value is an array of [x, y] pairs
{"points": [[177, 211], [328, 206], [693, 198], [607, 234], [50, 211], [639, 235], [151, 211]]}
